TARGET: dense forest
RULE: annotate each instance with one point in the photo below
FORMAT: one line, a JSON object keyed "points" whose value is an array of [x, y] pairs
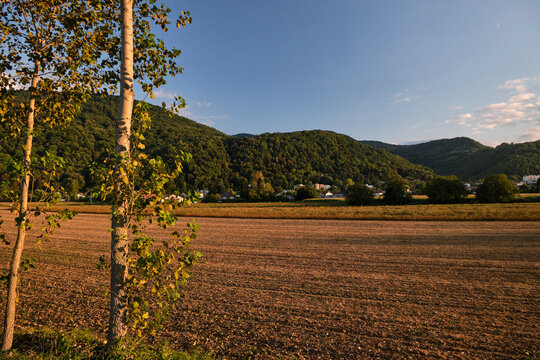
{"points": [[468, 159], [220, 162]]}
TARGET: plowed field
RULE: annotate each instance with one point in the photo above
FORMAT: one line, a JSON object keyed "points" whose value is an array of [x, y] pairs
{"points": [[323, 289]]}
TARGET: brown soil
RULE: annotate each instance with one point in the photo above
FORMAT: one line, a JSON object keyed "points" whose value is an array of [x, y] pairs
{"points": [[319, 289]]}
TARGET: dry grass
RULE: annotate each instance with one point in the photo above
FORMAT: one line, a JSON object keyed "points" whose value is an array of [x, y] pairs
{"points": [[338, 210]]}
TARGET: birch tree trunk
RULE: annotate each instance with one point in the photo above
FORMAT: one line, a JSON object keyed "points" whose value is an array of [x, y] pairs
{"points": [[119, 235], [9, 319]]}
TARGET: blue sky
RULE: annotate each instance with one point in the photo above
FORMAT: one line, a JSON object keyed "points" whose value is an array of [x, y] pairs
{"points": [[395, 71]]}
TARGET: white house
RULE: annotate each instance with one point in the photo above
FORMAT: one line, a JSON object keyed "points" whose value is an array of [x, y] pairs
{"points": [[531, 179]]}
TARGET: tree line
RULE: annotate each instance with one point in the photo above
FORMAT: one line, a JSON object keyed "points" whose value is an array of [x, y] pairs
{"points": [[220, 162], [496, 188]]}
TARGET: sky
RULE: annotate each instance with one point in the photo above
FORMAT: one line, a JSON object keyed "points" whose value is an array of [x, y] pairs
{"points": [[398, 71]]}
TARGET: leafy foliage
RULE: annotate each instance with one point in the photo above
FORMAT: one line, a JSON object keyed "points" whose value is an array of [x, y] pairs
{"points": [[315, 156], [220, 162], [53, 49], [77, 344], [157, 271], [445, 189], [359, 194], [496, 188], [305, 192], [396, 191], [257, 189]]}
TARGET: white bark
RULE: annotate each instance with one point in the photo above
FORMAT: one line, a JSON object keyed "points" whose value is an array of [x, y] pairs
{"points": [[119, 235], [9, 319]]}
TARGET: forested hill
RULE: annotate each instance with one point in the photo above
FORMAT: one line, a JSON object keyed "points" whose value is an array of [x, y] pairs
{"points": [[315, 156], [469, 159], [220, 161]]}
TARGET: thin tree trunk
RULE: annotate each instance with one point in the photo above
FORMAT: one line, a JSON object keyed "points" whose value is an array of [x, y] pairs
{"points": [[9, 319], [119, 235]]}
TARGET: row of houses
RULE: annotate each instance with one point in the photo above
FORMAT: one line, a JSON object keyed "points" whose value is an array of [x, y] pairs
{"points": [[323, 188], [531, 179]]}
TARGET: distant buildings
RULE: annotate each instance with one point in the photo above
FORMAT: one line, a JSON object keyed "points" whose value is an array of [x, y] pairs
{"points": [[531, 179], [321, 187]]}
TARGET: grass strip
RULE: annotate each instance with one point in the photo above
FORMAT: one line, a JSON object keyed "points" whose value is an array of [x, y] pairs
{"points": [[518, 211], [49, 344]]}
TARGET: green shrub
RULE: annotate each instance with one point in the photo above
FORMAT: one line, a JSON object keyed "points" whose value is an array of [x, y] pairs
{"points": [[49, 344], [305, 192], [396, 191], [496, 188], [359, 194], [445, 190]]}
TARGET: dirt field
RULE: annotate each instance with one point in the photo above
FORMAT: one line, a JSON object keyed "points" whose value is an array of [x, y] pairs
{"points": [[321, 289]]}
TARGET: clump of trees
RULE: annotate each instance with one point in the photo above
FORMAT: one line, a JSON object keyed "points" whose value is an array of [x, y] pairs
{"points": [[257, 189], [53, 50], [445, 190], [305, 192], [61, 52], [496, 188], [396, 191], [359, 194]]}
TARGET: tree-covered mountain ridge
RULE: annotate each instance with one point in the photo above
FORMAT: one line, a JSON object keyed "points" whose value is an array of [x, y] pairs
{"points": [[220, 161], [468, 159]]}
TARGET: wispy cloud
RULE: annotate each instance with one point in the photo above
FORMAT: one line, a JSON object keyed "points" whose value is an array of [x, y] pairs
{"points": [[209, 120], [185, 112], [193, 108], [202, 104], [518, 85], [462, 119], [522, 106], [164, 94], [402, 97], [532, 134]]}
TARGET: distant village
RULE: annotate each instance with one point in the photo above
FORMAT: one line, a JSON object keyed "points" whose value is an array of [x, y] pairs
{"points": [[324, 191]]}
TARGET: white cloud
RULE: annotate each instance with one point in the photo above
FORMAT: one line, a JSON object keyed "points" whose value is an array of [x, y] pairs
{"points": [[185, 112], [462, 119], [402, 97], [522, 97], [203, 104], [518, 85], [191, 111], [491, 143], [164, 94], [531, 134], [209, 120], [521, 107]]}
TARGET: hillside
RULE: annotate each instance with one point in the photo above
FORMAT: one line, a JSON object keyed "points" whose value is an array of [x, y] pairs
{"points": [[469, 159], [317, 156], [220, 161]]}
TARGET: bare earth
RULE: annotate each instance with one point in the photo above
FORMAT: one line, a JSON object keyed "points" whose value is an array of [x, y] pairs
{"points": [[323, 289]]}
